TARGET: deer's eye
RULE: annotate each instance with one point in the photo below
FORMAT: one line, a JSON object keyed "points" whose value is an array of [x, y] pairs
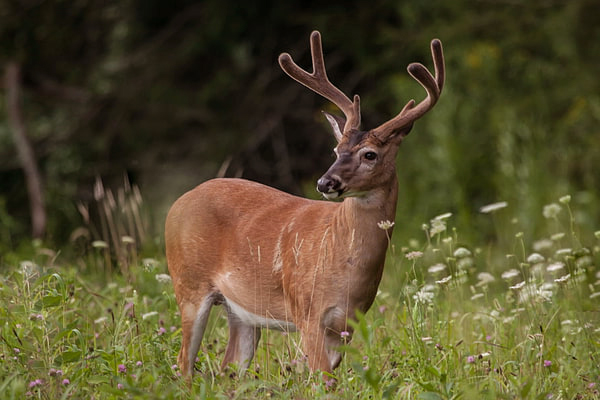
{"points": [[370, 155]]}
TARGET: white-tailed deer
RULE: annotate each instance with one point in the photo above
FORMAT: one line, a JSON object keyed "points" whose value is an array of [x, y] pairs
{"points": [[274, 260]]}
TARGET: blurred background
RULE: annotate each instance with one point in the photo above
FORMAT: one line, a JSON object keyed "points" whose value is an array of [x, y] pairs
{"points": [[107, 103]]}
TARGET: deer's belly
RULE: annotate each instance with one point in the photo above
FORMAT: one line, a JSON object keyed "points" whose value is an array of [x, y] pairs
{"points": [[250, 318]]}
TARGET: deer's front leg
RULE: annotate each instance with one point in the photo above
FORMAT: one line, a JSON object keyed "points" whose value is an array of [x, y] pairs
{"points": [[321, 338], [313, 344]]}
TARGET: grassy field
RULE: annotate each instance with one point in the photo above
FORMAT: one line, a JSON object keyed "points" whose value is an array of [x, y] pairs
{"points": [[506, 317]]}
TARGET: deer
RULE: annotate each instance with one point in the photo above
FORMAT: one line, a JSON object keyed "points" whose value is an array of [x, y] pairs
{"points": [[278, 261]]}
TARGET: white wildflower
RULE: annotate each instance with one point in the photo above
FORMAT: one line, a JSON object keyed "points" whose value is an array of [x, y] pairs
{"points": [[547, 286], [554, 267], [490, 208], [546, 291], [149, 264], [518, 285], [557, 236], [542, 244], [526, 291], [584, 261], [551, 210], [28, 268], [461, 277], [385, 225], [576, 331], [565, 199], [413, 255], [149, 314], [445, 280], [163, 278], [477, 296], [127, 240], [100, 320], [443, 216], [537, 270], [461, 252], [423, 296], [563, 278], [436, 268], [564, 252], [579, 275], [485, 278], [535, 258], [511, 273], [99, 244], [464, 263], [125, 289], [437, 226]]}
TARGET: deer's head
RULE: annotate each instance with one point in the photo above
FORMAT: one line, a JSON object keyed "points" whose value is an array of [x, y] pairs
{"points": [[365, 159]]}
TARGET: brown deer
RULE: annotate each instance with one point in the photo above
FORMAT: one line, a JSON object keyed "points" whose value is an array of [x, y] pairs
{"points": [[278, 261]]}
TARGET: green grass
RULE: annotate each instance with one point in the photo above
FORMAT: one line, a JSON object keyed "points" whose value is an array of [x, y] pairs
{"points": [[453, 320]]}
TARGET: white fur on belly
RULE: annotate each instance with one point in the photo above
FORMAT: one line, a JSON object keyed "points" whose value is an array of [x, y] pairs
{"points": [[256, 320]]}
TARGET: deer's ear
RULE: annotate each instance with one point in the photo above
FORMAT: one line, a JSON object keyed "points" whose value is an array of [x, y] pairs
{"points": [[337, 124]]}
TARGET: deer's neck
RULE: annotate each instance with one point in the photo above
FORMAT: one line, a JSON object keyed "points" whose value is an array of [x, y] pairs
{"points": [[358, 218], [363, 243]]}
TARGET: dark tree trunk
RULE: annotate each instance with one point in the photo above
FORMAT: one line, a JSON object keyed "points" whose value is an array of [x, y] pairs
{"points": [[12, 82]]}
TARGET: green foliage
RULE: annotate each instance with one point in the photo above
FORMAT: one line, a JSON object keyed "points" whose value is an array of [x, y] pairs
{"points": [[516, 317], [173, 92]]}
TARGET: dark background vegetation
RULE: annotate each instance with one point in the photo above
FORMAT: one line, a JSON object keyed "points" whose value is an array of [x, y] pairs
{"points": [[171, 93]]}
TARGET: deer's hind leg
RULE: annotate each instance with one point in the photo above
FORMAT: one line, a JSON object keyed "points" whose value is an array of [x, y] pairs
{"points": [[194, 317], [242, 344]]}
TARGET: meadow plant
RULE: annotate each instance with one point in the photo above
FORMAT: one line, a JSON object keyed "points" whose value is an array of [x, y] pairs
{"points": [[117, 226], [509, 317]]}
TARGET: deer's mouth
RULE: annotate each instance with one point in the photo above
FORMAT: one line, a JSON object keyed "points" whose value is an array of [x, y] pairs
{"points": [[333, 195], [343, 193]]}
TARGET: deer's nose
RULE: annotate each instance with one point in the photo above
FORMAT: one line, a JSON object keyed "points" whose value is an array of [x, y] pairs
{"points": [[328, 184]]}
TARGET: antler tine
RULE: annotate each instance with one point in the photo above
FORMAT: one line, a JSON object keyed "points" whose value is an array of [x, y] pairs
{"points": [[433, 85], [319, 83]]}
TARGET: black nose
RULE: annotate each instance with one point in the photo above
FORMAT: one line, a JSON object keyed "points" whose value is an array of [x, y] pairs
{"points": [[328, 184]]}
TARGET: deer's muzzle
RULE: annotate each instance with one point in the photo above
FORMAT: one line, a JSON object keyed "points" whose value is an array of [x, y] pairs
{"points": [[330, 186]]}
